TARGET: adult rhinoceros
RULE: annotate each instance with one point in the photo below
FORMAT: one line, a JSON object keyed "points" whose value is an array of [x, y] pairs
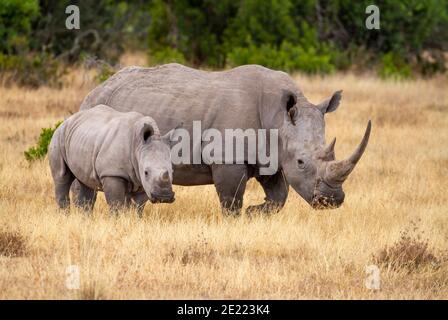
{"points": [[249, 96]]}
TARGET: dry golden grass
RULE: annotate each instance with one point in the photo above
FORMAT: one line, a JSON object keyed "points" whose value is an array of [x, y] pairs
{"points": [[188, 250]]}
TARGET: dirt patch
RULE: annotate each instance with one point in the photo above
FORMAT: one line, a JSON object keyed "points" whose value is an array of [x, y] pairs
{"points": [[66, 107], [194, 255], [399, 118], [199, 251], [438, 107], [10, 114]]}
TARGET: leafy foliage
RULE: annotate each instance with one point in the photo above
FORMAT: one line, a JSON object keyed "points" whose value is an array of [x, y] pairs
{"points": [[167, 55], [309, 35], [313, 36], [393, 66], [287, 57], [41, 149], [235, 33], [32, 70], [35, 46], [16, 17], [107, 28]]}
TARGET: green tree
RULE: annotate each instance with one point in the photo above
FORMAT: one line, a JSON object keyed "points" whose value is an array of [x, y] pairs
{"points": [[190, 29], [107, 28], [216, 33], [16, 17], [261, 22]]}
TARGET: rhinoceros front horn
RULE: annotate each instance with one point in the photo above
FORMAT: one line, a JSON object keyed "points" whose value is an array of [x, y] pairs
{"points": [[338, 171]]}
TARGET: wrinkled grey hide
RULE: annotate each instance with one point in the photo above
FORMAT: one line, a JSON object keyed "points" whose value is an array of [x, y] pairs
{"points": [[121, 154], [245, 97]]}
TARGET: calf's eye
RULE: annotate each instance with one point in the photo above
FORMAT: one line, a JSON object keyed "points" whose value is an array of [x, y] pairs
{"points": [[146, 173]]}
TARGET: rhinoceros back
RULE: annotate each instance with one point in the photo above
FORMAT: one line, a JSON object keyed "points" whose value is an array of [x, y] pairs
{"points": [[174, 94]]}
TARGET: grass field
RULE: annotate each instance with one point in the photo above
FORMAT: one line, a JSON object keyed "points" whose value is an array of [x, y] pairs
{"points": [[395, 213]]}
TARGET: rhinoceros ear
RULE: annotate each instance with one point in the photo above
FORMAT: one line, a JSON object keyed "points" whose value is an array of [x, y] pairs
{"points": [[290, 100], [330, 104]]}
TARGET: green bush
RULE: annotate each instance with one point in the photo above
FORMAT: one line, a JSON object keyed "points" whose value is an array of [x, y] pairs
{"points": [[35, 46], [32, 70], [288, 58], [167, 55], [394, 66], [17, 64], [105, 71], [16, 17], [309, 35], [259, 22], [191, 29], [41, 148]]}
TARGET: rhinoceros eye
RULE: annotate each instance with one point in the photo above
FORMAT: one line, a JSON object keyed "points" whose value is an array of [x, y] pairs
{"points": [[301, 163], [146, 173]]}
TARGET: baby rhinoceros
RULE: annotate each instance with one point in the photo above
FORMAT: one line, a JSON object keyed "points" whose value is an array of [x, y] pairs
{"points": [[122, 154]]}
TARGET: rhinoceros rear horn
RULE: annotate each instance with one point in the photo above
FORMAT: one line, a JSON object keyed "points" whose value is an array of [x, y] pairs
{"points": [[327, 154], [338, 171]]}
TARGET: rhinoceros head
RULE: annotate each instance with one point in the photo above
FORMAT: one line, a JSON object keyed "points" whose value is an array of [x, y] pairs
{"points": [[310, 167], [154, 162]]}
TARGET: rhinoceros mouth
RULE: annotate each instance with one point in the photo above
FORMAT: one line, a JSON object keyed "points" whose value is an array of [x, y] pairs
{"points": [[321, 203], [162, 198]]}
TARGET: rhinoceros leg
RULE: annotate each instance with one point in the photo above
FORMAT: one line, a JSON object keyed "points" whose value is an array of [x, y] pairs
{"points": [[230, 182], [62, 191], [137, 201], [62, 178], [115, 192], [78, 198], [85, 197], [276, 190]]}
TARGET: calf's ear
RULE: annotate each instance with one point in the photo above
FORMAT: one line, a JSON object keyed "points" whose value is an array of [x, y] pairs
{"points": [[146, 132], [330, 104]]}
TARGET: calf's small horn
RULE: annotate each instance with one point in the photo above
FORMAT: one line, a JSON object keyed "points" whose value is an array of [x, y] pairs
{"points": [[338, 171], [165, 177]]}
